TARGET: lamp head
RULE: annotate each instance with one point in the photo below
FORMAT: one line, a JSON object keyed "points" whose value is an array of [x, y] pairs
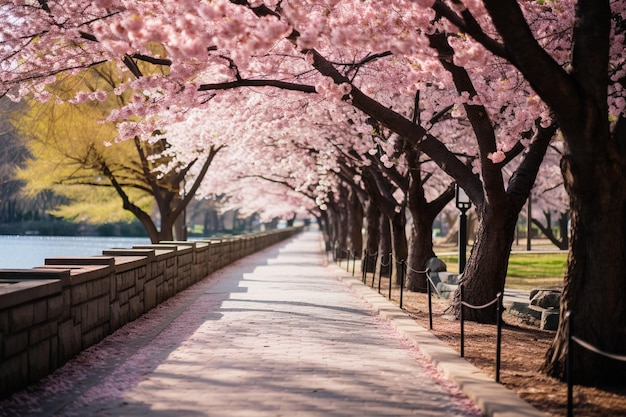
{"points": [[462, 200]]}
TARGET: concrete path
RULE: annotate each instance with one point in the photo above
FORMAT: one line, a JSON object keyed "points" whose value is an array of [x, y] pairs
{"points": [[275, 334]]}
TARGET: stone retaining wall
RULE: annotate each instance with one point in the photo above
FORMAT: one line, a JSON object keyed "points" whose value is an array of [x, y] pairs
{"points": [[51, 313]]}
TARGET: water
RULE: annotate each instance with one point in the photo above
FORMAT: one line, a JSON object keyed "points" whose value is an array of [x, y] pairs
{"points": [[30, 251]]}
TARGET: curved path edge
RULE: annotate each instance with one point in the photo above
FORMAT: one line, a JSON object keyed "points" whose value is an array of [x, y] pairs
{"points": [[491, 397]]}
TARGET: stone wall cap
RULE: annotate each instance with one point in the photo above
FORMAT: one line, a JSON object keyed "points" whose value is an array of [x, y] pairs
{"points": [[41, 273], [82, 273], [126, 262], [87, 260], [186, 243], [23, 291], [163, 250], [121, 252]]}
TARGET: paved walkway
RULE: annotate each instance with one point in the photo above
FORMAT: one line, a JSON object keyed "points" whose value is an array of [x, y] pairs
{"points": [[275, 334]]}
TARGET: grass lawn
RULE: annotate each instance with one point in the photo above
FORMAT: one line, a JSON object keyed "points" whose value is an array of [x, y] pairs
{"points": [[526, 270]]}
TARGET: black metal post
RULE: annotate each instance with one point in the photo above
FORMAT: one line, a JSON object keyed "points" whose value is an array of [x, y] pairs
{"points": [[430, 304], [380, 271], [348, 260], [375, 263], [364, 265], [569, 365], [462, 241], [402, 272], [463, 203], [390, 263], [389, 285], [462, 324], [499, 337], [379, 283]]}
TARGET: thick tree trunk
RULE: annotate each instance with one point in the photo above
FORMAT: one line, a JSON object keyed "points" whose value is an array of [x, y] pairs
{"points": [[399, 244], [385, 248], [422, 218], [341, 241], [595, 281], [323, 223], [337, 229], [180, 228], [167, 231], [356, 226], [485, 271], [343, 220], [420, 251], [373, 234]]}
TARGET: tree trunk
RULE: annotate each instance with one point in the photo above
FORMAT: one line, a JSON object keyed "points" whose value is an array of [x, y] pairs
{"points": [[180, 228], [167, 229], [373, 236], [399, 244], [323, 223], [342, 231], [595, 281], [356, 226], [385, 247], [420, 251], [485, 271]]}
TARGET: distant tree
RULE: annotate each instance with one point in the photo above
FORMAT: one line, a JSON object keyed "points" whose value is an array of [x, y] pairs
{"points": [[13, 154], [74, 153]]}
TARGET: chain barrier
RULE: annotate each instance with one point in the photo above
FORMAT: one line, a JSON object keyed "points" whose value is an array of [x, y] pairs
{"points": [[426, 272], [474, 307], [594, 349], [568, 359], [406, 268], [498, 302], [365, 263], [349, 254], [430, 284]]}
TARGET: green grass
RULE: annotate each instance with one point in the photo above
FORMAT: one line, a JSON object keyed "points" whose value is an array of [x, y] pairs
{"points": [[526, 270]]}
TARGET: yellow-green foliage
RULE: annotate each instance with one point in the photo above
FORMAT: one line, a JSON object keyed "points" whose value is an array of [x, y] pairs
{"points": [[68, 143], [97, 205]]}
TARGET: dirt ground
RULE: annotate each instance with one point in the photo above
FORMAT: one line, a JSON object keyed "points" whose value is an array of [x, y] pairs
{"points": [[523, 351]]}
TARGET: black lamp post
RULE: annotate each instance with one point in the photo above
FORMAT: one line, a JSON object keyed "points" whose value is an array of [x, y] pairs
{"points": [[463, 203]]}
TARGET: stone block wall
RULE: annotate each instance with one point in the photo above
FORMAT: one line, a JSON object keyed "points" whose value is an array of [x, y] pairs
{"points": [[51, 313]]}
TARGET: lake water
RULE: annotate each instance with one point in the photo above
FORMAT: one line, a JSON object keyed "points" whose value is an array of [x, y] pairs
{"points": [[31, 251]]}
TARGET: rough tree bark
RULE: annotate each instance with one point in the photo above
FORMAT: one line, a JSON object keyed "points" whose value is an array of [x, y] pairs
{"points": [[372, 220], [356, 225], [485, 271], [383, 261]]}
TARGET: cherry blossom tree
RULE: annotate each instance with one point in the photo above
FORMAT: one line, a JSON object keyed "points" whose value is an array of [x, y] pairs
{"points": [[584, 93]]}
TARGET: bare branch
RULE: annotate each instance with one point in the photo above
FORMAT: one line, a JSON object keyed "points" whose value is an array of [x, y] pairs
{"points": [[258, 83]]}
